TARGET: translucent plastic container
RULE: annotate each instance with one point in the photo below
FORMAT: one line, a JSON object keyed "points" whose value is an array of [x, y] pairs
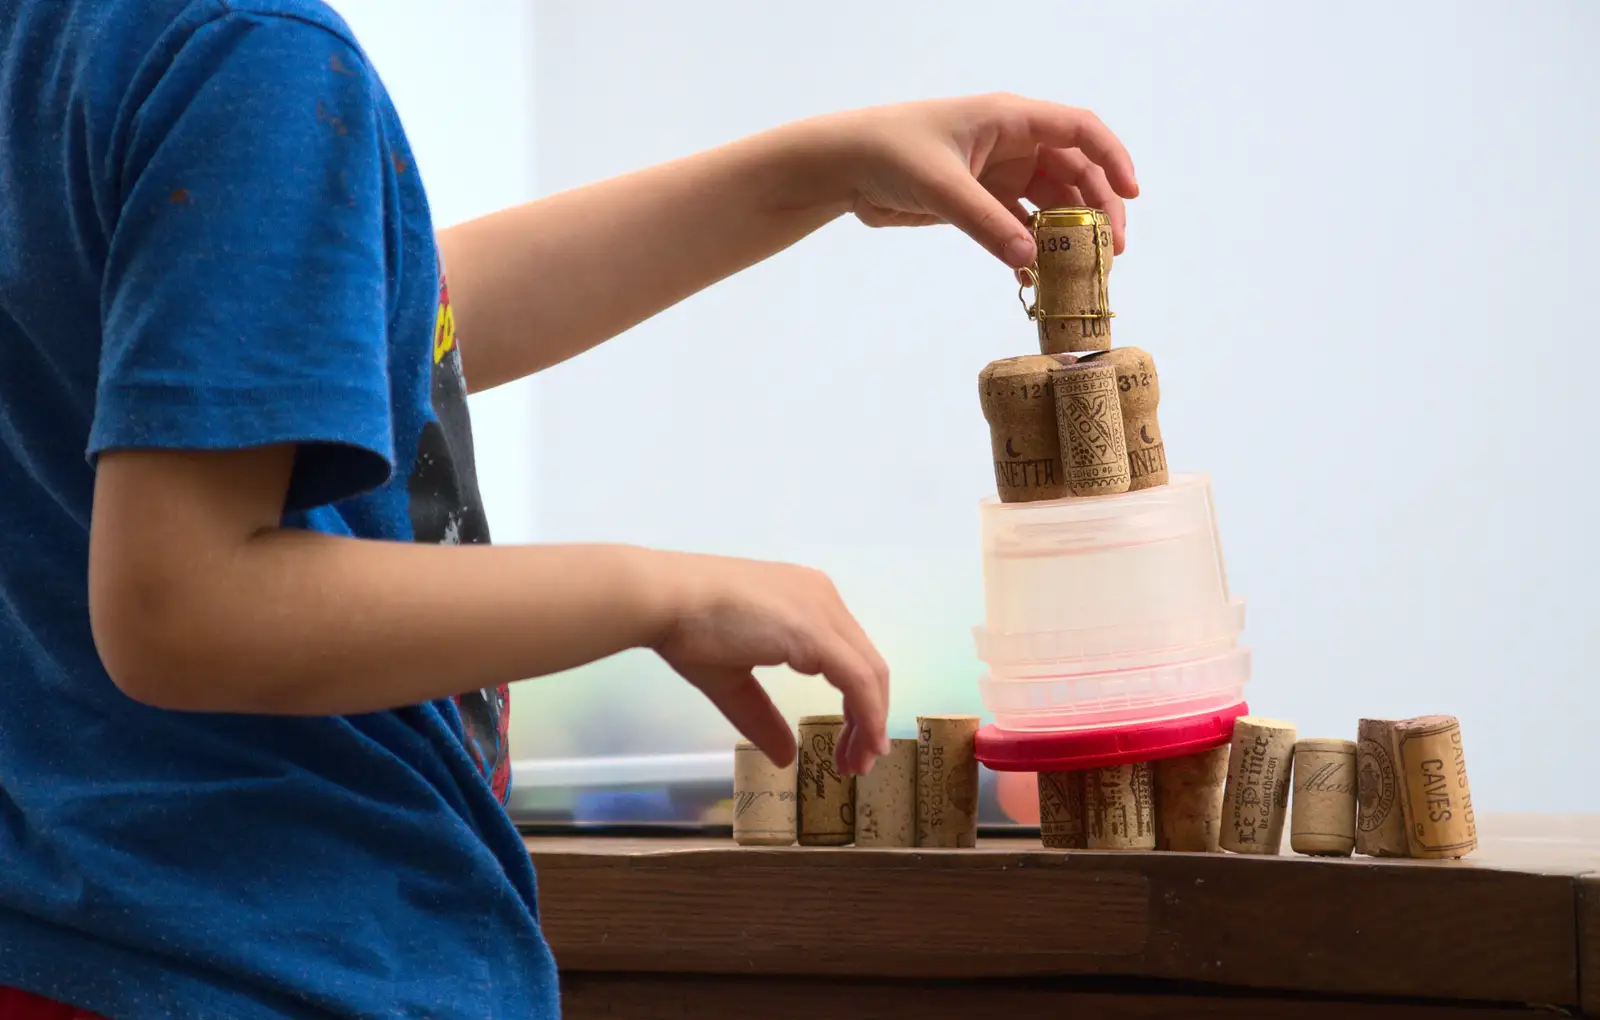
{"points": [[1108, 611]]}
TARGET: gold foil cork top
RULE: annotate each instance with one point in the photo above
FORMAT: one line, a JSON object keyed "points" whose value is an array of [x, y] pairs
{"points": [[1069, 216]]}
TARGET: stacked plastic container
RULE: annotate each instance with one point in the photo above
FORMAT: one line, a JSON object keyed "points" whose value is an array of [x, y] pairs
{"points": [[1110, 634]]}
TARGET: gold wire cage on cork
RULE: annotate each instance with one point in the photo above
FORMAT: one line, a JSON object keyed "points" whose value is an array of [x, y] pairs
{"points": [[1072, 303]]}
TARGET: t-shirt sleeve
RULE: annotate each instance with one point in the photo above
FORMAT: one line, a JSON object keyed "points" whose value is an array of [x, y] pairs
{"points": [[248, 281]]}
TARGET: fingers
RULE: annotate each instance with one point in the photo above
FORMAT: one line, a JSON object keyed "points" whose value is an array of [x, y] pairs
{"points": [[834, 657], [1046, 192], [1067, 127], [742, 700], [1072, 167], [956, 197]]}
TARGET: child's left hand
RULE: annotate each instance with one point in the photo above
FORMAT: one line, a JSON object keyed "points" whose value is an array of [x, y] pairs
{"points": [[970, 161]]}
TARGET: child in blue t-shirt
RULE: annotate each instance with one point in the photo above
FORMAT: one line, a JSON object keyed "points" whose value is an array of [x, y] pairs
{"points": [[254, 644]]}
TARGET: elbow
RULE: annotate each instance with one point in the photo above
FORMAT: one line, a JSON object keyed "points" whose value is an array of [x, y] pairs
{"points": [[151, 648]]}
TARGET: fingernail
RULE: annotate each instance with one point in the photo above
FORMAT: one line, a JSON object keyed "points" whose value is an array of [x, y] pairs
{"points": [[1019, 251]]}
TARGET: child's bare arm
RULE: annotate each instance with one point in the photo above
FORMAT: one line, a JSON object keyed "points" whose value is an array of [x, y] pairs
{"points": [[534, 285], [200, 601]]}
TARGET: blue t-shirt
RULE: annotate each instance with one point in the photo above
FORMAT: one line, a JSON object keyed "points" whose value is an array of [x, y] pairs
{"points": [[213, 235]]}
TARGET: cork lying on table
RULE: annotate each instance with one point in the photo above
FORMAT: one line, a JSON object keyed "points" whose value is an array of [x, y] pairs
{"points": [[1023, 435], [1094, 453], [1256, 797], [1189, 800], [763, 798], [1380, 818], [827, 798], [1063, 822], [1139, 394], [886, 799], [1119, 803], [1435, 795], [947, 781], [1071, 277], [1322, 819]]}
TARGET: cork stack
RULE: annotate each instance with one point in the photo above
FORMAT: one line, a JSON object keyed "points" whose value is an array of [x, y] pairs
{"points": [[1071, 279]]}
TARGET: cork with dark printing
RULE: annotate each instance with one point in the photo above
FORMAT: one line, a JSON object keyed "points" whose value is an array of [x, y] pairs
{"points": [[1071, 278], [1255, 801], [1139, 395], [1380, 815], [1119, 801], [1023, 435], [1322, 817], [827, 797], [1094, 453], [1063, 824], [947, 781], [1436, 798]]}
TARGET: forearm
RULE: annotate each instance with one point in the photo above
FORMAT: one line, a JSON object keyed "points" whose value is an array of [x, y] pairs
{"points": [[299, 623], [534, 285]]}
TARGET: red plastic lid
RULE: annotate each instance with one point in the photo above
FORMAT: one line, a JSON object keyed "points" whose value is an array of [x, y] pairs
{"points": [[1014, 751]]}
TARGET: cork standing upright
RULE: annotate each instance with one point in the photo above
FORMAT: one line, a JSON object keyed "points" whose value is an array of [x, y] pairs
{"points": [[947, 781], [1071, 277], [1256, 797], [1380, 818], [886, 799], [763, 798], [1322, 819], [1063, 824], [1436, 797], [1139, 393], [1094, 453], [1189, 800], [1023, 435], [1120, 804], [827, 797]]}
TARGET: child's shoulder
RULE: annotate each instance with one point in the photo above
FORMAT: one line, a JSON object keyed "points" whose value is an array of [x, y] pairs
{"points": [[314, 12]]}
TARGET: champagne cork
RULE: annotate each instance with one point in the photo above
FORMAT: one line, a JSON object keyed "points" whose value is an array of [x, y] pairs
{"points": [[1021, 412], [1062, 821], [947, 781], [1119, 802], [763, 798], [886, 799], [1189, 800], [1071, 275], [1139, 392], [1433, 783], [1094, 453], [1256, 796], [827, 798], [1322, 819], [1380, 820]]}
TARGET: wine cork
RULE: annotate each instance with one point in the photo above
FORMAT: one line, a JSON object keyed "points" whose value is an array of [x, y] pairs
{"points": [[1189, 800], [1434, 793], [827, 798], [1256, 796], [1094, 454], [763, 798], [1119, 800], [1021, 412], [1062, 821], [1071, 278], [947, 781], [1380, 820], [886, 799], [1139, 394], [1322, 819]]}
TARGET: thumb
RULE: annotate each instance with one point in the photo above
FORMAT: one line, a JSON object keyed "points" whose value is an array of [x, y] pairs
{"points": [[956, 197], [744, 702]]}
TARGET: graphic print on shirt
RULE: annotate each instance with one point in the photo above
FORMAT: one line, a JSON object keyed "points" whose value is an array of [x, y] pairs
{"points": [[446, 509]]}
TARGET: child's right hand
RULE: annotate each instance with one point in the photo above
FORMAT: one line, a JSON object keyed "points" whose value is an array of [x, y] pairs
{"points": [[728, 616]]}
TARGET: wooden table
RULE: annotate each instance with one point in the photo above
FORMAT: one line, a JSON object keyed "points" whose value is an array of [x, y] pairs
{"points": [[685, 928]]}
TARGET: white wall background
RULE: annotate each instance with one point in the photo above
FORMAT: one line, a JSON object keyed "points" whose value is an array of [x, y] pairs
{"points": [[1365, 262]]}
